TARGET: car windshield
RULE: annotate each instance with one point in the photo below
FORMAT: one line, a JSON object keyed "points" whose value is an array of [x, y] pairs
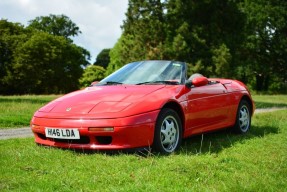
{"points": [[148, 72]]}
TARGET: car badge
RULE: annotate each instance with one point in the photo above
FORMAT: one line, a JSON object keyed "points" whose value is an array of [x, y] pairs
{"points": [[68, 109]]}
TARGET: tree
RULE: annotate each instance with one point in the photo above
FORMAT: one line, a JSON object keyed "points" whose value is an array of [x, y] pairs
{"points": [[221, 58], [197, 28], [92, 73], [265, 45], [11, 36], [180, 30], [103, 58], [245, 40], [117, 59], [59, 25], [35, 61], [143, 31], [46, 64]]}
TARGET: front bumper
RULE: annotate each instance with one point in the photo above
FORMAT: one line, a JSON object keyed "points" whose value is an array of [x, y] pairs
{"points": [[128, 132]]}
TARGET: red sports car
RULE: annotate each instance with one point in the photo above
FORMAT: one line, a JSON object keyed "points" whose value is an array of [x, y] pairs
{"points": [[144, 104]]}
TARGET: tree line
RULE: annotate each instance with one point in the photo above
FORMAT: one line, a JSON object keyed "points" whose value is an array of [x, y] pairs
{"points": [[40, 58], [238, 39]]}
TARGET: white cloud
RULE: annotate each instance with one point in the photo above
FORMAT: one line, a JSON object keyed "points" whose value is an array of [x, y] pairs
{"points": [[99, 20]]}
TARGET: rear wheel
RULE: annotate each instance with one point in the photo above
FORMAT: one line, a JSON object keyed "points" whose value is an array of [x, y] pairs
{"points": [[243, 117], [168, 132]]}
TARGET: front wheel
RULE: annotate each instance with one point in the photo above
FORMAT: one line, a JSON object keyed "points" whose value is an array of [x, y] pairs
{"points": [[243, 117], [168, 132]]}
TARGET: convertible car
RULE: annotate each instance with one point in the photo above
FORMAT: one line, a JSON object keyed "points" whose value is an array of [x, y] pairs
{"points": [[145, 104]]}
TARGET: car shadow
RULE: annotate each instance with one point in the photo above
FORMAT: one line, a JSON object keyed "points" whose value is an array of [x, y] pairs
{"points": [[215, 142], [207, 143]]}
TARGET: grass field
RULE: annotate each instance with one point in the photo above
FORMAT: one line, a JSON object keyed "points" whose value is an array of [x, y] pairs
{"points": [[17, 111], [266, 101], [218, 161]]}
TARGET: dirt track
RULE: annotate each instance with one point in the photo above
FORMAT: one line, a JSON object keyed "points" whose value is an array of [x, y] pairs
{"points": [[26, 131]]}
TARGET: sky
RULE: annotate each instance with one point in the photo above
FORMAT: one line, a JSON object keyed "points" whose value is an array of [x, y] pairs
{"points": [[98, 20]]}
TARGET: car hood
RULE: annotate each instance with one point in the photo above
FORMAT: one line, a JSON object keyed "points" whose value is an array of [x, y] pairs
{"points": [[97, 101]]}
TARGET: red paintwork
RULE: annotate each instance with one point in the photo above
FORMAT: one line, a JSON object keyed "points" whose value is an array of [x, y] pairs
{"points": [[200, 81], [132, 111]]}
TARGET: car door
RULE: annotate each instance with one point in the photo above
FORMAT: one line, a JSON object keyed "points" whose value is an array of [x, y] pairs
{"points": [[207, 108]]}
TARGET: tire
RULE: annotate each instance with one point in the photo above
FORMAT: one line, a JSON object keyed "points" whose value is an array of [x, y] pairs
{"points": [[168, 132], [243, 118]]}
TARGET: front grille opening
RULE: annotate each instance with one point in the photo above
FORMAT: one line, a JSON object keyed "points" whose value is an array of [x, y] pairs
{"points": [[104, 140], [82, 140], [42, 136]]}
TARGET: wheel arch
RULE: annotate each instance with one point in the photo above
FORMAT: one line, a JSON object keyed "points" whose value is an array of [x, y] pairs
{"points": [[178, 109], [248, 99]]}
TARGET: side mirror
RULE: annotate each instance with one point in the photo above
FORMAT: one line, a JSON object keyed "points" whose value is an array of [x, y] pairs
{"points": [[199, 81], [94, 83]]}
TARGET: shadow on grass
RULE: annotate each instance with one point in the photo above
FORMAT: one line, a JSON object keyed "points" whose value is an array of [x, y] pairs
{"points": [[217, 141], [207, 143], [269, 105]]}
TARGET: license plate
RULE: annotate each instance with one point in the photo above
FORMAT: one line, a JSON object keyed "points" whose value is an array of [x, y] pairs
{"points": [[63, 133]]}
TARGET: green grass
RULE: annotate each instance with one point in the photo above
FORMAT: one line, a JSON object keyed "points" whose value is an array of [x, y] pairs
{"points": [[266, 101], [218, 161], [17, 111]]}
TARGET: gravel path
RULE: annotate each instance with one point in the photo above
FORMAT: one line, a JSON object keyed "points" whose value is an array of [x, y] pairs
{"points": [[15, 133], [269, 109], [26, 131]]}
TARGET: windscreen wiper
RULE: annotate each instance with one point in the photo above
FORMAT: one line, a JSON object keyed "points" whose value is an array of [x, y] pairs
{"points": [[110, 83], [159, 82]]}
